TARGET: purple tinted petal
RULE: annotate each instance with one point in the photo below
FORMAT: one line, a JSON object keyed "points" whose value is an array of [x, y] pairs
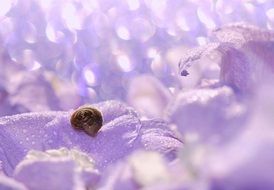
{"points": [[113, 109], [193, 55], [246, 54], [148, 95], [156, 136], [55, 167], [118, 176], [250, 165], [238, 34], [7, 183], [247, 67], [48, 175], [34, 85], [140, 170], [209, 114], [51, 130]]}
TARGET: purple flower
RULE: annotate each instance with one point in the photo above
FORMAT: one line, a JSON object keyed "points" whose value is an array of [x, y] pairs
{"points": [[7, 183], [155, 136], [208, 114], [57, 169], [148, 95], [246, 54], [141, 170], [122, 133]]}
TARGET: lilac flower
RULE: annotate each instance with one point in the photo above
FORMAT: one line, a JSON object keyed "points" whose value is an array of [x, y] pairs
{"points": [[57, 169], [17, 93], [245, 163], [155, 136], [141, 170], [246, 56], [208, 114], [122, 133], [7, 183], [149, 96]]}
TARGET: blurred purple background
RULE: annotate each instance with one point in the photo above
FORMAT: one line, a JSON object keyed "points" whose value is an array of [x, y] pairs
{"points": [[57, 55]]}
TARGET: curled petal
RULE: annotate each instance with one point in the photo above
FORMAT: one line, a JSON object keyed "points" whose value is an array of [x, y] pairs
{"points": [[157, 136], [208, 114]]}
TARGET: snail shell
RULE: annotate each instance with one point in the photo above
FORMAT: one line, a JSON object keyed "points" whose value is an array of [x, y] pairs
{"points": [[87, 118]]}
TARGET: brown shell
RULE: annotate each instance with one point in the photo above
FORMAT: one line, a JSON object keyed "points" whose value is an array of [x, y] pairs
{"points": [[88, 119]]}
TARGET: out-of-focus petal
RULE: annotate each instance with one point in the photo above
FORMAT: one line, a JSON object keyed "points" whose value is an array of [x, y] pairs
{"points": [[157, 136], [244, 163], [24, 87], [247, 67], [140, 170], [118, 176], [113, 109], [148, 95], [7, 183], [251, 155], [57, 169], [207, 114]]}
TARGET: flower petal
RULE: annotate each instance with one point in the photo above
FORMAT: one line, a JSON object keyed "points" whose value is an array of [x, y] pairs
{"points": [[156, 136], [208, 114], [52, 130], [57, 169], [140, 170], [7, 183]]}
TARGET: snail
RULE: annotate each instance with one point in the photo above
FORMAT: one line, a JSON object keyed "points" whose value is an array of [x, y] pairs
{"points": [[87, 118]]}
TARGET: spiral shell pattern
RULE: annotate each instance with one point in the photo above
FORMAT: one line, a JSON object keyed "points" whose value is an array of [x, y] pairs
{"points": [[88, 119]]}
